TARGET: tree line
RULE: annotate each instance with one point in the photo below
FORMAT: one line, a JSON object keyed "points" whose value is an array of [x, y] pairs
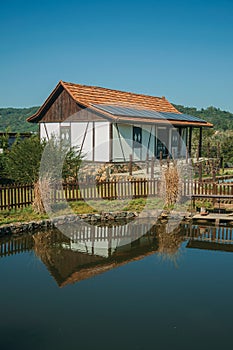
{"points": [[216, 142], [222, 120], [14, 119]]}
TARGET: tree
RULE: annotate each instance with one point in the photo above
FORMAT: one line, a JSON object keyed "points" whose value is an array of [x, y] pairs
{"points": [[222, 120], [30, 159], [4, 142], [2, 166], [60, 161], [72, 164], [23, 160], [3, 148], [15, 119]]}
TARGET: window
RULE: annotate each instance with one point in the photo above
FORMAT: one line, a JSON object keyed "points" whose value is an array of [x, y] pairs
{"points": [[137, 137], [65, 135], [174, 140], [162, 142]]}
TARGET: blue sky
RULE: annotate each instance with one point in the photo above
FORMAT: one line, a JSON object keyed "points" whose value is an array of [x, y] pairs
{"points": [[179, 49]]}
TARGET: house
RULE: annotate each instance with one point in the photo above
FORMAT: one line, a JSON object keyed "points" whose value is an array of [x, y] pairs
{"points": [[111, 125]]}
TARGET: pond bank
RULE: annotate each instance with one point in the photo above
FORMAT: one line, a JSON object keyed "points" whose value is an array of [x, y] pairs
{"points": [[21, 227], [103, 218]]}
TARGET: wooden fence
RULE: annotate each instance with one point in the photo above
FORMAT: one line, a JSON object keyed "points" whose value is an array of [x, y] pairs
{"points": [[16, 196], [19, 196], [16, 245], [208, 188], [110, 190]]}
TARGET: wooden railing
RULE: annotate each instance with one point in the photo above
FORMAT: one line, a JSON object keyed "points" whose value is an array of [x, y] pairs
{"points": [[19, 196]]}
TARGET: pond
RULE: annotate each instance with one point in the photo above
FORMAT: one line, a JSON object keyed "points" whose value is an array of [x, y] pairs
{"points": [[227, 180], [163, 290]]}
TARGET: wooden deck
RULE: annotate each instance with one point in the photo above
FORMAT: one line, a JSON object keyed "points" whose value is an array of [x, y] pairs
{"points": [[217, 218]]}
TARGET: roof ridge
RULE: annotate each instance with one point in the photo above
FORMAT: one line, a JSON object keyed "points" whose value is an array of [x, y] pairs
{"points": [[108, 89], [63, 83]]}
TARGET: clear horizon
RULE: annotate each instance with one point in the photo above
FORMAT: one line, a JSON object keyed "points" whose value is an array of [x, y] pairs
{"points": [[177, 49]]}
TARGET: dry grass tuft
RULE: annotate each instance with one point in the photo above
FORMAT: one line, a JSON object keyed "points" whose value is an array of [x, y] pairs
{"points": [[170, 184], [37, 204]]}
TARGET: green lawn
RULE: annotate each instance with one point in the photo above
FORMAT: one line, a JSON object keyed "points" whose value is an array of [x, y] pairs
{"points": [[80, 207]]}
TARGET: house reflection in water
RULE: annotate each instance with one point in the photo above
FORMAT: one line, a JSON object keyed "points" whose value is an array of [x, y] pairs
{"points": [[90, 250]]}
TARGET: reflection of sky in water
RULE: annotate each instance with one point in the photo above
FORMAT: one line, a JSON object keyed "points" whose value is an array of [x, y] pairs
{"points": [[145, 300]]}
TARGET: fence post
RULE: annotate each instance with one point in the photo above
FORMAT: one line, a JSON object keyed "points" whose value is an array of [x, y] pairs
{"points": [[187, 155], [130, 164], [197, 154], [147, 163], [214, 174], [160, 157], [214, 188], [200, 171], [208, 150], [173, 154], [152, 167]]}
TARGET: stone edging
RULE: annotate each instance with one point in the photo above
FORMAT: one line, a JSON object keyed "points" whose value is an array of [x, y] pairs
{"points": [[21, 227]]}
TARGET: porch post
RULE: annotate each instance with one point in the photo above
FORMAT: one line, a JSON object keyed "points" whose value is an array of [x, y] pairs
{"points": [[200, 143], [190, 141], [93, 141], [179, 143], [110, 142]]}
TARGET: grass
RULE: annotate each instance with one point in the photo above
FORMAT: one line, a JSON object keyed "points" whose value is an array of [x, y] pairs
{"points": [[226, 171], [81, 207], [20, 215], [204, 204]]}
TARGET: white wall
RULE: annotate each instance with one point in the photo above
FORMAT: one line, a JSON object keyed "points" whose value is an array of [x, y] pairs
{"points": [[50, 129], [101, 137], [146, 131], [126, 137], [102, 146], [121, 148], [78, 131], [122, 142]]}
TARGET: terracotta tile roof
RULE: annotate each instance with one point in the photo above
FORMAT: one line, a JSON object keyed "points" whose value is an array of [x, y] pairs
{"points": [[89, 95]]}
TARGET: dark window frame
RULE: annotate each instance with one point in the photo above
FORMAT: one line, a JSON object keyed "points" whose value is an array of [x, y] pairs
{"points": [[137, 137], [63, 130]]}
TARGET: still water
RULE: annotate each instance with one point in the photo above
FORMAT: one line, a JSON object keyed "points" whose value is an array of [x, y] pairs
{"points": [[164, 290]]}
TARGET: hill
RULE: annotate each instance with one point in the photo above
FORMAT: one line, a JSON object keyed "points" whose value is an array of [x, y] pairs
{"points": [[221, 120], [14, 119]]}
